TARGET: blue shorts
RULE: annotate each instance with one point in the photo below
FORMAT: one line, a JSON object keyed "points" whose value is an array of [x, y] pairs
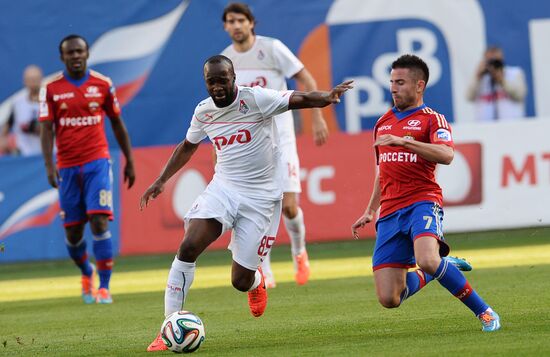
{"points": [[395, 235], [86, 190]]}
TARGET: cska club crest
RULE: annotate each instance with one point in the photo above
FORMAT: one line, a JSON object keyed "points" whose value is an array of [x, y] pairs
{"points": [[243, 108]]}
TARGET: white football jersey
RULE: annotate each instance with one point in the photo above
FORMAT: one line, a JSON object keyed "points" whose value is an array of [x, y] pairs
{"points": [[248, 158], [24, 111], [267, 64]]}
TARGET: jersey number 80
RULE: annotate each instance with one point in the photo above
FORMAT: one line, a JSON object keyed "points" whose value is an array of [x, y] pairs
{"points": [[105, 198]]}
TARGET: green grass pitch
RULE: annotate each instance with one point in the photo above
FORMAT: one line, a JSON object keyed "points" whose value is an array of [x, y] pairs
{"points": [[335, 314]]}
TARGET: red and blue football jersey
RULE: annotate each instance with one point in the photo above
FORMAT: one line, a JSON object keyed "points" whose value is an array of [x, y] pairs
{"points": [[405, 177], [77, 109]]}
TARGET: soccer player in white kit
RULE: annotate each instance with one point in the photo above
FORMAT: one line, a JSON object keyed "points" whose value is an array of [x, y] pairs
{"points": [[267, 62], [23, 120], [245, 193]]}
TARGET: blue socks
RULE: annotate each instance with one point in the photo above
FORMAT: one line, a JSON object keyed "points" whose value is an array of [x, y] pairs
{"points": [[416, 280], [78, 254], [103, 251], [453, 280]]}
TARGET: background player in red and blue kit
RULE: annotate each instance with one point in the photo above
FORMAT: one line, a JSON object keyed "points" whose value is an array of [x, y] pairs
{"points": [[410, 139], [74, 104]]}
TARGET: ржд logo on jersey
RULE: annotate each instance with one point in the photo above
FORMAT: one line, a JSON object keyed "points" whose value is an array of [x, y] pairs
{"points": [[242, 137]]}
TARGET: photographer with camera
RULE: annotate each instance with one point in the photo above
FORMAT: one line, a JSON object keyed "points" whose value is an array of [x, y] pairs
{"points": [[497, 89], [23, 120]]}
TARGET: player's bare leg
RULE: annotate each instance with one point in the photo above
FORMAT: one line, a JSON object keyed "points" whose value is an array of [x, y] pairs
{"points": [[390, 283], [199, 234], [426, 253], [76, 245], [103, 252], [294, 224]]}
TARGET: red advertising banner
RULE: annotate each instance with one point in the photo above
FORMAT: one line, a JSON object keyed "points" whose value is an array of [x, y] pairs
{"points": [[336, 179]]}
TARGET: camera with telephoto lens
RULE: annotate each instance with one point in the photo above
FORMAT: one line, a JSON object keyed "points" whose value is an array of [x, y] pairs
{"points": [[495, 63]]}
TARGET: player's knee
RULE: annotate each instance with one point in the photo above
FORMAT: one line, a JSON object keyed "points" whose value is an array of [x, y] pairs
{"points": [[389, 301], [188, 252], [429, 264], [99, 223], [74, 234]]}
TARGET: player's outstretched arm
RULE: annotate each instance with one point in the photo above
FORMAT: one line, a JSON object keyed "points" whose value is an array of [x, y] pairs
{"points": [[46, 141], [179, 158], [121, 135], [318, 99], [370, 212]]}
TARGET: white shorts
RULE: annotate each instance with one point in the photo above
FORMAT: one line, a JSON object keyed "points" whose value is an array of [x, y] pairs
{"points": [[254, 221], [289, 153], [291, 167]]}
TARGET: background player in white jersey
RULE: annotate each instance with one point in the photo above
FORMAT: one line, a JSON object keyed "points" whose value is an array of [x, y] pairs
{"points": [[267, 62], [23, 120], [245, 192]]}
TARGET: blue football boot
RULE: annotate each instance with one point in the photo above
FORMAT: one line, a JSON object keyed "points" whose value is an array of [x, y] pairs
{"points": [[460, 263]]}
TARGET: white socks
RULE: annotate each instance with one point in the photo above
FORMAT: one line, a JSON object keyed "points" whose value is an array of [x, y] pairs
{"points": [[257, 280], [180, 279], [297, 232], [266, 266]]}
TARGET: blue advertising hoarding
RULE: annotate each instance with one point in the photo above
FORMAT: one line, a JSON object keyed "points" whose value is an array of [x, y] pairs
{"points": [[154, 52]]}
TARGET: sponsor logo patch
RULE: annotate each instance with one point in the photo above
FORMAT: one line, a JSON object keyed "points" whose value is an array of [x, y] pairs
{"points": [[92, 92], [384, 127], [80, 121], [443, 135], [242, 136], [416, 128], [62, 96]]}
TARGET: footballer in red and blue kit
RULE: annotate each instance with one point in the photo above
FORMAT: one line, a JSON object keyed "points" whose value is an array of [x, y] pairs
{"points": [[410, 140], [78, 109], [73, 109], [411, 199]]}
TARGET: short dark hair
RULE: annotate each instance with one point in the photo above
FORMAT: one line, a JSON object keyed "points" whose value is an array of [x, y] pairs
{"points": [[71, 37], [414, 63], [239, 8], [218, 59]]}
